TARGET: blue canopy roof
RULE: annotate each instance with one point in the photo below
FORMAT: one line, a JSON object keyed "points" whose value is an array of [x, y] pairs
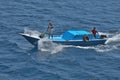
{"points": [[78, 32], [71, 34]]}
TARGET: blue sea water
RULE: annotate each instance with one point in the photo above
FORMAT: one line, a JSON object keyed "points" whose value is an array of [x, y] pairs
{"points": [[19, 60]]}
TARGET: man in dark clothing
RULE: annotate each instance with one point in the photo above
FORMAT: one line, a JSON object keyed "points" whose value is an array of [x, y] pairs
{"points": [[94, 31], [50, 29]]}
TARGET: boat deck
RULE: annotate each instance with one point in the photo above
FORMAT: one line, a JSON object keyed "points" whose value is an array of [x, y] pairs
{"points": [[57, 38]]}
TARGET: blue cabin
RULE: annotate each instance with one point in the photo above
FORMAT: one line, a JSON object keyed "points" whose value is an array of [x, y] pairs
{"points": [[77, 35]]}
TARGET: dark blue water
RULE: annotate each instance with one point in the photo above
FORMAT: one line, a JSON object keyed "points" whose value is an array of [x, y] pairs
{"points": [[19, 60]]}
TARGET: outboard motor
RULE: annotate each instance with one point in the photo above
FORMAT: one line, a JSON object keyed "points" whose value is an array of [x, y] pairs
{"points": [[103, 36]]}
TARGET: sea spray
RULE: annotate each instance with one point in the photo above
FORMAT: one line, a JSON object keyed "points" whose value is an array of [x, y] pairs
{"points": [[104, 33], [115, 38], [31, 32], [47, 45]]}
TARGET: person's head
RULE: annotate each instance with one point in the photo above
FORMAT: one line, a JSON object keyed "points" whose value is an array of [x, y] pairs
{"points": [[94, 28]]}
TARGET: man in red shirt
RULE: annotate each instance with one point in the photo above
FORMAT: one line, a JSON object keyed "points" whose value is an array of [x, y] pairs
{"points": [[94, 31]]}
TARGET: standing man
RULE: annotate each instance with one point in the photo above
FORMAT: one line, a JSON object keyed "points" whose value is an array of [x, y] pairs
{"points": [[94, 31], [50, 29]]}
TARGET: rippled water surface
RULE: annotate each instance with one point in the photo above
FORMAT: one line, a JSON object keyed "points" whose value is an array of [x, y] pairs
{"points": [[19, 60]]}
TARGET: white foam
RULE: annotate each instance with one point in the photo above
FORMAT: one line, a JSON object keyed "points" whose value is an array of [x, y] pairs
{"points": [[47, 45], [115, 38], [105, 48], [107, 34], [100, 48]]}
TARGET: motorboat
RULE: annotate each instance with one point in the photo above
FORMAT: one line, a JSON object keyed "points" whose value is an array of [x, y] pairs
{"points": [[70, 37]]}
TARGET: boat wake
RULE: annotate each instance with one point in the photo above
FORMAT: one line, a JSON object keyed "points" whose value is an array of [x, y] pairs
{"points": [[101, 48], [114, 39], [112, 43]]}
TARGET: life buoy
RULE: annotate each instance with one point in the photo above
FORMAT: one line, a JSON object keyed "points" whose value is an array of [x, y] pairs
{"points": [[86, 38]]}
